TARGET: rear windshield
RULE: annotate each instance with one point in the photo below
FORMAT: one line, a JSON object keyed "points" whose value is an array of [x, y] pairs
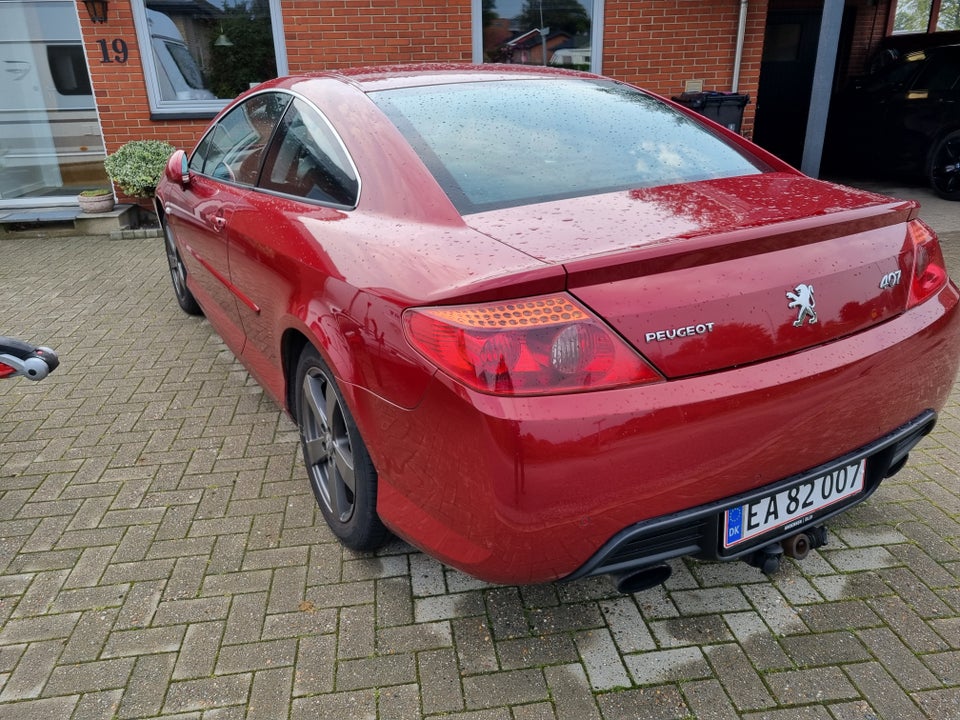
{"points": [[499, 144]]}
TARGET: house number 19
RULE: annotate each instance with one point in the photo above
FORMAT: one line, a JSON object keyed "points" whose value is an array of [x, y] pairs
{"points": [[118, 46]]}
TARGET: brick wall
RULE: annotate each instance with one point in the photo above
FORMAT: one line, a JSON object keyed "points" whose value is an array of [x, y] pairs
{"points": [[342, 33], [660, 44], [119, 86], [870, 29]]}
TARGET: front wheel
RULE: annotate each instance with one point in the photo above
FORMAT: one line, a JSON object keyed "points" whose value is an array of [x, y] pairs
{"points": [[341, 472], [944, 168], [178, 273]]}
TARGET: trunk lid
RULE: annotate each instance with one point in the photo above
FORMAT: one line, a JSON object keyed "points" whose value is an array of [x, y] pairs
{"points": [[712, 275]]}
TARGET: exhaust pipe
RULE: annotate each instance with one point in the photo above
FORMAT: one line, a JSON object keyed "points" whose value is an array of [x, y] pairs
{"points": [[632, 582]]}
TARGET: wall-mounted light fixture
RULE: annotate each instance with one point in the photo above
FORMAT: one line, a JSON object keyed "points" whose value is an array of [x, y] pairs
{"points": [[97, 10]]}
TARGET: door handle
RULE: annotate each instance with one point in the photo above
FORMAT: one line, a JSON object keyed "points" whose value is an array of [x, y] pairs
{"points": [[219, 222]]}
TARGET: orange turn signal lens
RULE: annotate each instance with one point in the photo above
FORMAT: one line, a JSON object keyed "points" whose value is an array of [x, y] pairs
{"points": [[537, 312]]}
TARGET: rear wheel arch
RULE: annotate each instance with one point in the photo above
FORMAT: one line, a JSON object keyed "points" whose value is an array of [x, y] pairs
{"points": [[936, 139], [291, 348], [293, 343], [341, 472]]}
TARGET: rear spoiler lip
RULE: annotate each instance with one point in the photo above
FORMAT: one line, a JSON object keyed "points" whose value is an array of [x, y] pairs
{"points": [[693, 250]]}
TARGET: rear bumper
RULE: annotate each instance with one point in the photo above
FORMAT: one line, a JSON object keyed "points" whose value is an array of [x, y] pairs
{"points": [[528, 490], [697, 532]]}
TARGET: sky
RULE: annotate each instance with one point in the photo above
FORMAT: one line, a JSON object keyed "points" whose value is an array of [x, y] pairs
{"points": [[509, 8]]}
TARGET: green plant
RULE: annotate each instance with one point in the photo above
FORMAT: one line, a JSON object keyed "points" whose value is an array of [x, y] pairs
{"points": [[97, 192], [137, 166]]}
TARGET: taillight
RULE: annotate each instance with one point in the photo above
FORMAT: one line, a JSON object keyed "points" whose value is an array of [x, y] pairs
{"points": [[6, 370], [534, 346], [929, 269]]}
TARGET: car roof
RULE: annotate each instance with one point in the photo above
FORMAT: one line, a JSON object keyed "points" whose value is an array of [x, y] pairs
{"points": [[387, 77], [933, 50]]}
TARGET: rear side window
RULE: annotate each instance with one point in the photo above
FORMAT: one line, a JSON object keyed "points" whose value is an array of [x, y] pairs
{"points": [[498, 144], [308, 160]]}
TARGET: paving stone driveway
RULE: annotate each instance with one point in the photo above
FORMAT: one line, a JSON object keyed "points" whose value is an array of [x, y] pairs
{"points": [[161, 557]]}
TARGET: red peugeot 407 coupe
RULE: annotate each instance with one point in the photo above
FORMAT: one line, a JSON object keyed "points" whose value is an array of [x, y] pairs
{"points": [[545, 325]]}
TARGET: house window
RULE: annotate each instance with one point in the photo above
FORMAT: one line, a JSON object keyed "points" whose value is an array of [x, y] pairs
{"points": [[199, 55], [948, 18], [560, 33], [925, 16]]}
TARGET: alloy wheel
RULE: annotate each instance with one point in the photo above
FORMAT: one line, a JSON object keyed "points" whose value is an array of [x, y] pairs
{"points": [[177, 272], [327, 450], [945, 168]]}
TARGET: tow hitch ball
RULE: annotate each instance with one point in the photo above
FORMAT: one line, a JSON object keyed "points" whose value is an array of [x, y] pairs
{"points": [[768, 557]]}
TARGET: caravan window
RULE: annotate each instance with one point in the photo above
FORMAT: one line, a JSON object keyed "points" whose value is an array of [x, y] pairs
{"points": [[68, 68]]}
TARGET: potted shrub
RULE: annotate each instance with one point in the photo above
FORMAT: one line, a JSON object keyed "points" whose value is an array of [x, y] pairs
{"points": [[137, 166], [97, 200]]}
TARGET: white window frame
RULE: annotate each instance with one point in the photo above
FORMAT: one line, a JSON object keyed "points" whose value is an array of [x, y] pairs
{"points": [[200, 108], [596, 33]]}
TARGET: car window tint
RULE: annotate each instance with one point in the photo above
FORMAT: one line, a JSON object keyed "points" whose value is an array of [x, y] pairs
{"points": [[209, 154], [506, 143], [233, 148], [941, 73], [307, 159], [895, 76]]}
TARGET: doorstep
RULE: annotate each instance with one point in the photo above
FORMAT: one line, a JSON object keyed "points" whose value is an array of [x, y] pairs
{"points": [[67, 220]]}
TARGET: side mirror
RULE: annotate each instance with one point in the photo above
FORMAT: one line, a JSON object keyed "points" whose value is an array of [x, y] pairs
{"points": [[178, 168]]}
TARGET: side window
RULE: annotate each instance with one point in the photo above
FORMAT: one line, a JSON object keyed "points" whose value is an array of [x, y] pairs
{"points": [[308, 160], [209, 154], [232, 150], [895, 76], [941, 74]]}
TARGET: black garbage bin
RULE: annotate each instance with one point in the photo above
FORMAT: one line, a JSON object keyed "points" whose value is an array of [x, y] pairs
{"points": [[723, 107]]}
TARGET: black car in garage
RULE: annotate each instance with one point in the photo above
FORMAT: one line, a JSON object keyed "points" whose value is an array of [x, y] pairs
{"points": [[903, 119]]}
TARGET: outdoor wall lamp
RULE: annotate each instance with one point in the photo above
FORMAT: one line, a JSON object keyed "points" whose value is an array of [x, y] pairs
{"points": [[97, 10]]}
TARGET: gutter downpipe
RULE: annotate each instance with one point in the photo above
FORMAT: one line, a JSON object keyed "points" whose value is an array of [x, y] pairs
{"points": [[741, 38]]}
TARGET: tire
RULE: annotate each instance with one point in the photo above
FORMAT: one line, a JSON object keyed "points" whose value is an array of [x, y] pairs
{"points": [[178, 273], [339, 467], [944, 167]]}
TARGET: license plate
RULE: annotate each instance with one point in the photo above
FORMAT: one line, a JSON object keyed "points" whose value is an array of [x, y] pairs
{"points": [[793, 506]]}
